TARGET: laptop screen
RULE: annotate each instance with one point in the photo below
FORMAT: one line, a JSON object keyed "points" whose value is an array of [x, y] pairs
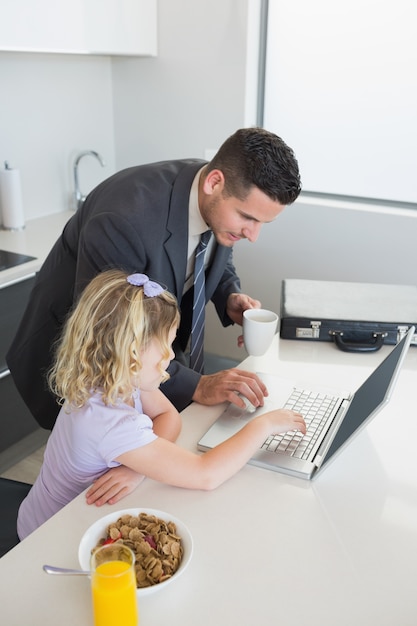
{"points": [[369, 396]]}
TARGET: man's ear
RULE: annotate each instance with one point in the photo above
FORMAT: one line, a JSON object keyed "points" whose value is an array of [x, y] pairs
{"points": [[213, 182]]}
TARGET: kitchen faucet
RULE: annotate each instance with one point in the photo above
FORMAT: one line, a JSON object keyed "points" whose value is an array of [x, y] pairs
{"points": [[79, 198]]}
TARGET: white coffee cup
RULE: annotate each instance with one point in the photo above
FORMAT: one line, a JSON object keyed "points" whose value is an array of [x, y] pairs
{"points": [[259, 327]]}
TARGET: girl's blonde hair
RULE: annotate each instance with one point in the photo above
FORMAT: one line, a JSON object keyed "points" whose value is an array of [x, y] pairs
{"points": [[103, 338]]}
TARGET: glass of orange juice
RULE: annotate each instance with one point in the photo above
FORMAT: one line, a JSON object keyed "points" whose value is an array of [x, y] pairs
{"points": [[113, 586]]}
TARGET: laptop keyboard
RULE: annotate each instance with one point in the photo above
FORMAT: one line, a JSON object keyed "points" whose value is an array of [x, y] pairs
{"points": [[316, 408]]}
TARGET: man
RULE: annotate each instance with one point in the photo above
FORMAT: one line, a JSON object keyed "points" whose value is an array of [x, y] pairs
{"points": [[149, 219]]}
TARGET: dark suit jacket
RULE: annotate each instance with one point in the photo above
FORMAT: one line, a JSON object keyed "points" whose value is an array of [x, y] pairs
{"points": [[136, 220]]}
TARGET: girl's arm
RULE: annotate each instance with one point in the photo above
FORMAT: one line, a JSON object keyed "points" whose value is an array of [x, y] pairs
{"points": [[118, 482], [166, 462], [165, 417], [113, 485]]}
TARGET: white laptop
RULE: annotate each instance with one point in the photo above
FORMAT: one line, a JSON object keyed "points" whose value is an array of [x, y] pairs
{"points": [[332, 420]]}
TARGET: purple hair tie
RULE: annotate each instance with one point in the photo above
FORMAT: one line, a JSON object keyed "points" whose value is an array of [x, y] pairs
{"points": [[150, 288]]}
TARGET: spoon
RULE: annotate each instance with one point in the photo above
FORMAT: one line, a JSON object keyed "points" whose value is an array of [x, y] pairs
{"points": [[51, 569]]}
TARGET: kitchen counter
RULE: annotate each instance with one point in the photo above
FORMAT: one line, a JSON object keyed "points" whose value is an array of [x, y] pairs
{"points": [[35, 240]]}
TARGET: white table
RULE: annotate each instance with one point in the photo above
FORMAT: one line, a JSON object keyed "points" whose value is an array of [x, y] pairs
{"points": [[269, 549]]}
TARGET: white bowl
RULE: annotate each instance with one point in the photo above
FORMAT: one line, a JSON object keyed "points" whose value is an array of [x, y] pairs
{"points": [[97, 530]]}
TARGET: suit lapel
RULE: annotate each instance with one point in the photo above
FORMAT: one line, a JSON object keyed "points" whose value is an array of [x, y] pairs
{"points": [[176, 243], [216, 270]]}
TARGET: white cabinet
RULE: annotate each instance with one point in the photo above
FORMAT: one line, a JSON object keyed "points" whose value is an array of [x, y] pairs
{"points": [[114, 27]]}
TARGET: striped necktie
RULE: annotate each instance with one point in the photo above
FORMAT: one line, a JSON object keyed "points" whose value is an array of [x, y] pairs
{"points": [[199, 304]]}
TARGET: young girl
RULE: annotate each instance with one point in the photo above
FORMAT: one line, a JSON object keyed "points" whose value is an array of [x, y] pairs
{"points": [[113, 356]]}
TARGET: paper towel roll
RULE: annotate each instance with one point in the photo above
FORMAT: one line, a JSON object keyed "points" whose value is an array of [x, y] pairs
{"points": [[11, 199]]}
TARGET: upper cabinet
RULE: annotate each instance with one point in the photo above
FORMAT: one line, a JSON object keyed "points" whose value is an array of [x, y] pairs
{"points": [[113, 27]]}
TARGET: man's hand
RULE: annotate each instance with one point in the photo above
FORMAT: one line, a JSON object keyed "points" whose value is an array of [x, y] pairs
{"points": [[237, 303], [225, 386], [112, 486]]}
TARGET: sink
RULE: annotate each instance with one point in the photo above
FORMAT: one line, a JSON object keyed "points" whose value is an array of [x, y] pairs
{"points": [[11, 259]]}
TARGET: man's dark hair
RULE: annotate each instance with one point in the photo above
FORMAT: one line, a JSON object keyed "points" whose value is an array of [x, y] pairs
{"points": [[257, 157]]}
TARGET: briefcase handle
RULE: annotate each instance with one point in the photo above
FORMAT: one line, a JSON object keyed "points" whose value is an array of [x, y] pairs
{"points": [[375, 343]]}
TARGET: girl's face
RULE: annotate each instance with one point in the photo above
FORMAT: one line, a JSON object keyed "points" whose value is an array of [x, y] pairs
{"points": [[150, 374]]}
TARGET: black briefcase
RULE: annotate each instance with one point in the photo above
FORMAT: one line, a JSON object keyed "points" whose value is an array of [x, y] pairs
{"points": [[358, 317]]}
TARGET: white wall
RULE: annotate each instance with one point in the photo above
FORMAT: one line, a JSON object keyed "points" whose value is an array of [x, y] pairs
{"points": [[131, 110], [52, 106], [192, 95]]}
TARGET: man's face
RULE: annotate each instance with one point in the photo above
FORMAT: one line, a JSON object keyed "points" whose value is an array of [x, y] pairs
{"points": [[232, 219]]}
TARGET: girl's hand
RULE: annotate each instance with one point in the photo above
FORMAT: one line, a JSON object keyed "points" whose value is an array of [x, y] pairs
{"points": [[114, 485], [283, 420]]}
